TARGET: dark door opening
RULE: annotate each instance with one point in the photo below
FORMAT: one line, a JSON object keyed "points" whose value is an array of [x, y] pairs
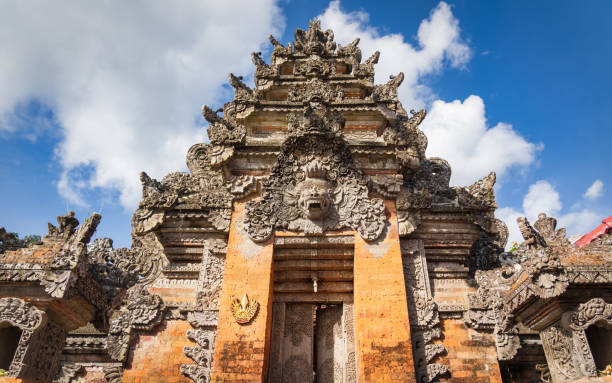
{"points": [[600, 339], [9, 340]]}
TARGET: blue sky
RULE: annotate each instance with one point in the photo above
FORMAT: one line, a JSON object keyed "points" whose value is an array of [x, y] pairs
{"points": [[94, 93]]}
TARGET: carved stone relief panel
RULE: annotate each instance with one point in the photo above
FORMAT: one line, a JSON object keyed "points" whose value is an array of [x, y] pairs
{"points": [[423, 313], [211, 274], [40, 344], [201, 354], [559, 349], [315, 185]]}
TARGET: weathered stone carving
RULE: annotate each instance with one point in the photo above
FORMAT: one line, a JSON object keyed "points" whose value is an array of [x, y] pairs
{"points": [[388, 91], [211, 274], [279, 49], [202, 354], [423, 313], [315, 91], [113, 373], [547, 228], [142, 311], [594, 311], [66, 226], [366, 69], [314, 186], [314, 41], [68, 372], [70, 262], [119, 269], [544, 373], [220, 131], [506, 342], [21, 314], [558, 347]]}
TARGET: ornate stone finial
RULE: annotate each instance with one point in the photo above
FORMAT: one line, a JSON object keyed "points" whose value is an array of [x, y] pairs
{"points": [[483, 190], [244, 310], [547, 227], [532, 238], [242, 91], [314, 41], [66, 225]]}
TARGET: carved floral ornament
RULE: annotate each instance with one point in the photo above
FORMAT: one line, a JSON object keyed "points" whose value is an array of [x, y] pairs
{"points": [[314, 186], [141, 311], [21, 314], [592, 312]]}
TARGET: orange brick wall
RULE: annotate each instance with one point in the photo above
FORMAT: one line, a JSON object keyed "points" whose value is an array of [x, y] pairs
{"points": [[382, 326], [241, 351], [471, 356], [157, 355]]}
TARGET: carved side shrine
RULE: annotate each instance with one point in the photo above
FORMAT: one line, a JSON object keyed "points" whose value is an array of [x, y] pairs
{"points": [[311, 241]]}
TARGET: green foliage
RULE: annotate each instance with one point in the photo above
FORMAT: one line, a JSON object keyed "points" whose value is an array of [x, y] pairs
{"points": [[32, 239], [515, 246], [2, 372]]}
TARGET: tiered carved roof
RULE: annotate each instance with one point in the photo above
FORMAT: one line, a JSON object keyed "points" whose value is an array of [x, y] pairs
{"points": [[313, 84]]}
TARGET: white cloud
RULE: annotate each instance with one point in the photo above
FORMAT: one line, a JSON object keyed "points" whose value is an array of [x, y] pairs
{"points": [[438, 39], [458, 132], [594, 191], [542, 197], [509, 216], [125, 80], [580, 222]]}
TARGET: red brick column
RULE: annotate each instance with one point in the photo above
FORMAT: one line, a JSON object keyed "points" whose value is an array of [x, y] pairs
{"points": [[242, 351], [382, 326]]}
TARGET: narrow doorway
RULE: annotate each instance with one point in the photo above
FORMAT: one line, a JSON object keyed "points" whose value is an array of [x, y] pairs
{"points": [[312, 342], [9, 340]]}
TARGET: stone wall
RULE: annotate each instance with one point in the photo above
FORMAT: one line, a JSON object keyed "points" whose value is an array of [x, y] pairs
{"points": [[157, 355], [471, 356]]}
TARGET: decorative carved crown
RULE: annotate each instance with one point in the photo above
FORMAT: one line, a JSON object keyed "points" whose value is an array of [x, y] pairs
{"points": [[314, 41], [315, 169]]}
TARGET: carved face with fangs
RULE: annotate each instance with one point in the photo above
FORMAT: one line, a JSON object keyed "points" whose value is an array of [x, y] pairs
{"points": [[314, 198]]}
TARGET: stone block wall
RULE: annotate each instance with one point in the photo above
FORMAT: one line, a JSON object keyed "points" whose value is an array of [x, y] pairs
{"points": [[471, 356], [157, 355]]}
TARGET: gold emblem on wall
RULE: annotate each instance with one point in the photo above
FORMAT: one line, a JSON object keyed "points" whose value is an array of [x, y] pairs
{"points": [[244, 310]]}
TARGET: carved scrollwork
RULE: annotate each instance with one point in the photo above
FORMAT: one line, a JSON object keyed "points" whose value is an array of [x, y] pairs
{"points": [[201, 354], [408, 221], [594, 311], [21, 314], [388, 91], [220, 130], [315, 91], [113, 373], [142, 311], [118, 269], [314, 187], [559, 350], [314, 41], [68, 372], [507, 343], [423, 313]]}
